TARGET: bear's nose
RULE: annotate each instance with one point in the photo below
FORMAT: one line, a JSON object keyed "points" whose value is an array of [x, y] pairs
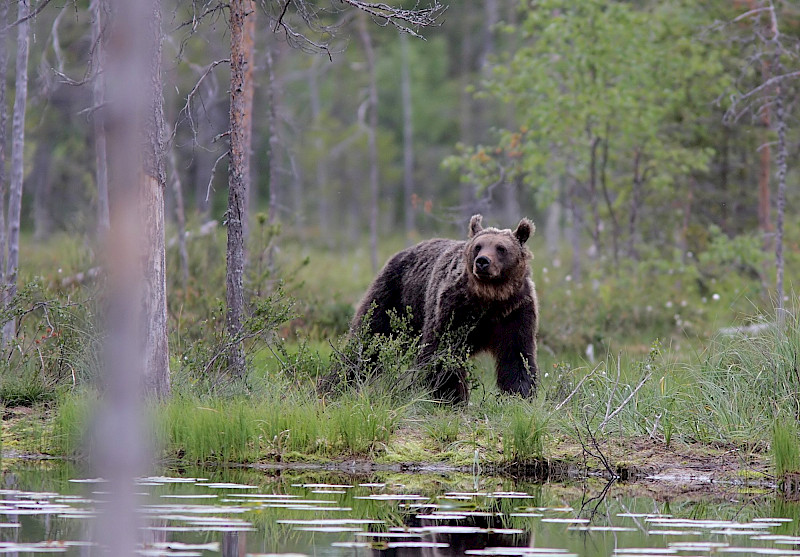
{"points": [[482, 263]]}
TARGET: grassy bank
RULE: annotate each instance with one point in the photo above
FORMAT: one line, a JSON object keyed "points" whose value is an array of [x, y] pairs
{"points": [[606, 385], [735, 399]]}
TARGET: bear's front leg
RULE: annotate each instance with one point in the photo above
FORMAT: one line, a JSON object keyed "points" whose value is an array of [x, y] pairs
{"points": [[514, 349]]}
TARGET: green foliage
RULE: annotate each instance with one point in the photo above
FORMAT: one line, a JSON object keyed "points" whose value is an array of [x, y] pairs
{"points": [[203, 365], [57, 345], [600, 120], [378, 363]]}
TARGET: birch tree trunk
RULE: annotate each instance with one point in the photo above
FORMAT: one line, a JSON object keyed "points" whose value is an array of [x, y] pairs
{"points": [[372, 139], [17, 164], [99, 9], [238, 179]]}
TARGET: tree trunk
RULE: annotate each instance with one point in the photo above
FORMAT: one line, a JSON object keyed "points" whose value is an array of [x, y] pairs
{"points": [[372, 140], [576, 221], [238, 181], [248, 91], [17, 165], [467, 117], [39, 179], [273, 156], [180, 219], [136, 358], [274, 139], [3, 126], [636, 200], [134, 116], [593, 203], [687, 215], [323, 203], [764, 220], [99, 10], [615, 228], [408, 142], [780, 121]]}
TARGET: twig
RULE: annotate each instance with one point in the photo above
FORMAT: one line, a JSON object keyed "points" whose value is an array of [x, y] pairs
{"points": [[577, 387], [599, 454], [213, 172], [280, 18], [614, 389], [624, 402]]}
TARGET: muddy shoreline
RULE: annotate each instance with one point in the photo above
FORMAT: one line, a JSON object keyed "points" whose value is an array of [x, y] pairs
{"points": [[642, 465]]}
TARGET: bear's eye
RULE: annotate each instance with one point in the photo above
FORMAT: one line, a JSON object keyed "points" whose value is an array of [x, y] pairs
{"points": [[477, 248], [501, 250]]}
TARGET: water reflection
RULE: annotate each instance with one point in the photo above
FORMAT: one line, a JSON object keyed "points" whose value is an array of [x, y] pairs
{"points": [[244, 512]]}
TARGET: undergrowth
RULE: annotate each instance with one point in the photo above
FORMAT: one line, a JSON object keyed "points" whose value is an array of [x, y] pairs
{"points": [[695, 386]]}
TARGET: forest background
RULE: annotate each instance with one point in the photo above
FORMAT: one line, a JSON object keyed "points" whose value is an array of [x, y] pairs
{"points": [[650, 141]]}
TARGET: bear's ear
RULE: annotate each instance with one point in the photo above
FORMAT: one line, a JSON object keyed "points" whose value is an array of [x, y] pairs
{"points": [[475, 225], [525, 230]]}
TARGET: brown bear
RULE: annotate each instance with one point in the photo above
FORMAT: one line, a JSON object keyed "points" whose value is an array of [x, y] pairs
{"points": [[481, 286]]}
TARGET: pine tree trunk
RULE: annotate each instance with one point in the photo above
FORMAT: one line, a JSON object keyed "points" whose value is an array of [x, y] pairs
{"points": [[274, 140], [372, 140], [3, 126], [780, 121], [17, 164], [323, 203], [248, 92], [238, 181], [408, 142], [99, 10]]}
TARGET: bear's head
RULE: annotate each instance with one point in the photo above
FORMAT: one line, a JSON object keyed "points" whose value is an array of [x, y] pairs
{"points": [[497, 260]]}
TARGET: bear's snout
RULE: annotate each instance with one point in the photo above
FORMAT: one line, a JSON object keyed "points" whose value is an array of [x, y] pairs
{"points": [[482, 264]]}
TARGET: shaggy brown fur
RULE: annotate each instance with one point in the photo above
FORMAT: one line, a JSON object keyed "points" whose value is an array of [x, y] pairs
{"points": [[482, 284]]}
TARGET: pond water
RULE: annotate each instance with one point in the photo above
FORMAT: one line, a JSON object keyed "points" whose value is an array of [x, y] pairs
{"points": [[48, 508]]}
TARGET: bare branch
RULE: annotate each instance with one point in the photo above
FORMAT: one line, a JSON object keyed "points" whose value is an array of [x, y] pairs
{"points": [[31, 15], [187, 107], [733, 115], [406, 21], [213, 172], [756, 11]]}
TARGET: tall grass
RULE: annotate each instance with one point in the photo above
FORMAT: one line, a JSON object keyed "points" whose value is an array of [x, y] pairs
{"points": [[747, 380], [785, 447], [524, 432]]}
